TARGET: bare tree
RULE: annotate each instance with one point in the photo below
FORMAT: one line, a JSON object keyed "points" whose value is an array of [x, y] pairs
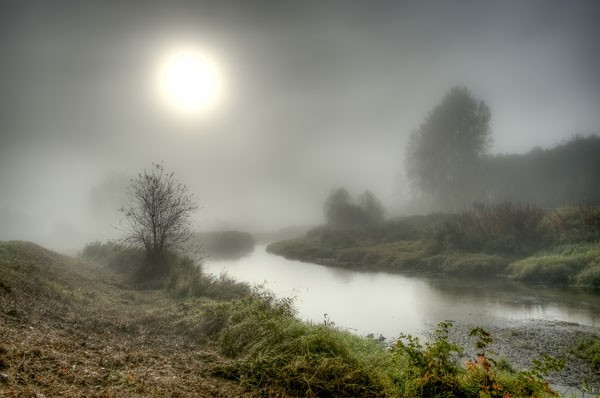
{"points": [[157, 214]]}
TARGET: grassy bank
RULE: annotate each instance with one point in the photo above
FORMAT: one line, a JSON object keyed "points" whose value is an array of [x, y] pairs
{"points": [[78, 328], [75, 328], [266, 347], [524, 242]]}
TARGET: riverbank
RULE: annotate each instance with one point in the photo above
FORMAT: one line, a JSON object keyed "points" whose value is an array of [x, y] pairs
{"points": [[75, 328], [572, 264], [519, 342], [559, 246], [407, 256]]}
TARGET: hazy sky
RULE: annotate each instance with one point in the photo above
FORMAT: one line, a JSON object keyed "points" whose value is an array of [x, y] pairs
{"points": [[319, 94]]}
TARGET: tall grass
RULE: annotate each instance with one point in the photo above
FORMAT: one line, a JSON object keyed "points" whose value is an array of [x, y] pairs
{"points": [[267, 347], [573, 224], [119, 257], [506, 228], [186, 277], [577, 264]]}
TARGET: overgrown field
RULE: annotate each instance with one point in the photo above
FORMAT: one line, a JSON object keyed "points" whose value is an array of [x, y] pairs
{"points": [[76, 328], [524, 242]]}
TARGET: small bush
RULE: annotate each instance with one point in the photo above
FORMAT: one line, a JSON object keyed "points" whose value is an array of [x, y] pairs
{"points": [[119, 257], [433, 369], [589, 277]]}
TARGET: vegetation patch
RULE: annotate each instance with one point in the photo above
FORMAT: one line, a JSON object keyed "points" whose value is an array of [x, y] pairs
{"points": [[185, 278], [566, 264], [117, 340], [267, 347], [528, 243], [589, 349], [573, 224], [472, 264], [504, 228], [117, 256], [302, 249]]}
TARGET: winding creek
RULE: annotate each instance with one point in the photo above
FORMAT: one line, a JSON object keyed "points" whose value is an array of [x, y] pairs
{"points": [[390, 304]]}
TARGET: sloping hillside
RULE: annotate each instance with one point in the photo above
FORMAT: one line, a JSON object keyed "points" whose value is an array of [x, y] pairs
{"points": [[71, 328]]}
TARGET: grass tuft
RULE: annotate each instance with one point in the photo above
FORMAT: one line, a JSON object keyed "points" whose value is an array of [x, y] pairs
{"points": [[567, 264]]}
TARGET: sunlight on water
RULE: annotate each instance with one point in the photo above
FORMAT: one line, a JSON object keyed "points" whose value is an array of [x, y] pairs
{"points": [[391, 304]]}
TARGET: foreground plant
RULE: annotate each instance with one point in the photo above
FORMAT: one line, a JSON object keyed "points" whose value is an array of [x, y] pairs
{"points": [[268, 348]]}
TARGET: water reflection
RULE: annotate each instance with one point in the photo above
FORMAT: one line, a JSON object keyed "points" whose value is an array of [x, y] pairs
{"points": [[391, 304]]}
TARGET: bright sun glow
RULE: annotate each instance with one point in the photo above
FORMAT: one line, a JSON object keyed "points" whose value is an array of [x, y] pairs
{"points": [[190, 82]]}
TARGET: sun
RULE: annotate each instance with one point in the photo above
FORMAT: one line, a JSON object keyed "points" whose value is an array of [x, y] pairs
{"points": [[190, 81]]}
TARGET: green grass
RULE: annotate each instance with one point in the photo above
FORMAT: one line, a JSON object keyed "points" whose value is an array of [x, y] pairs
{"points": [[576, 264], [255, 340], [302, 249], [267, 347], [590, 350], [399, 256], [472, 264], [560, 246]]}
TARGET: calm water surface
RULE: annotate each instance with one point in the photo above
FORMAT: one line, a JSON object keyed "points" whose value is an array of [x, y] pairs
{"points": [[390, 304]]}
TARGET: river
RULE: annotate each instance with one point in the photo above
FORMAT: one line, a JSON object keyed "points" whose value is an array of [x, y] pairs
{"points": [[389, 304]]}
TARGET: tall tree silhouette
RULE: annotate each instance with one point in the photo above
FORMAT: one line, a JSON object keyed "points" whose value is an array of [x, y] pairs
{"points": [[443, 155]]}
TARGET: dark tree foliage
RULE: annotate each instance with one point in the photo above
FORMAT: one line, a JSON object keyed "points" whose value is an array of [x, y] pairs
{"points": [[568, 174], [342, 212], [371, 207], [157, 216], [444, 153]]}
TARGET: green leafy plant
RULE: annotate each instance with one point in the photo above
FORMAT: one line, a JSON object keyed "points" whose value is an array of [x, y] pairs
{"points": [[432, 367]]}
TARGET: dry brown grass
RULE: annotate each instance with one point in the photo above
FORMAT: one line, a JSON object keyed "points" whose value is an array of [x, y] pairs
{"points": [[70, 328]]}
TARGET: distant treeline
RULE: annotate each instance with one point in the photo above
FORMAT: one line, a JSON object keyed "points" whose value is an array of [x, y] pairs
{"points": [[566, 174], [449, 166]]}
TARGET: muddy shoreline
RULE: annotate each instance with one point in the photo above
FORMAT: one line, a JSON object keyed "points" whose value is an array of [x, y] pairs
{"points": [[520, 342]]}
